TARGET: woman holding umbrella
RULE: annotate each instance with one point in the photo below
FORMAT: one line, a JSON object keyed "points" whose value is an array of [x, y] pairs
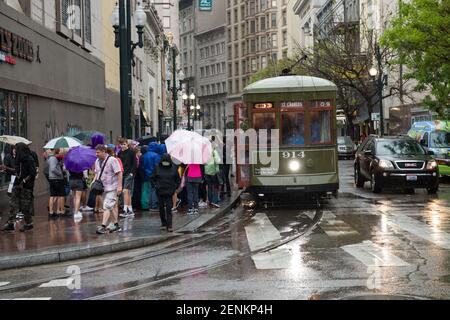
{"points": [[77, 161]]}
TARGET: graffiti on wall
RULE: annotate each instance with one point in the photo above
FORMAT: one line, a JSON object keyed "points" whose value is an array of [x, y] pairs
{"points": [[52, 130]]}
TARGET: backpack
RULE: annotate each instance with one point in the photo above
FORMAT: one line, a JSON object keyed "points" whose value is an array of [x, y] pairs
{"points": [[47, 169]]}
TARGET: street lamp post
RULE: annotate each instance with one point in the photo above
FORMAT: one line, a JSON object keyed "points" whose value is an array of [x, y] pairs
{"points": [[174, 53], [121, 22], [381, 81]]}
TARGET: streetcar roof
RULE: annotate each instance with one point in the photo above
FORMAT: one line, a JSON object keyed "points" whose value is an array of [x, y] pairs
{"points": [[290, 84]]}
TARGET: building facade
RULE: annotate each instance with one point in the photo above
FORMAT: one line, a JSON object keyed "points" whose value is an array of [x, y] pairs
{"points": [[259, 32], [210, 47], [52, 81], [307, 12]]}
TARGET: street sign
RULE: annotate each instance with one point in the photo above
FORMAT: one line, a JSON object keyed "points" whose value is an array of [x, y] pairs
{"points": [[205, 5], [376, 117]]}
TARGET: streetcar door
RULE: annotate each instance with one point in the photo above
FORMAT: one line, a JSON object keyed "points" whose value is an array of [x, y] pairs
{"points": [[241, 121]]}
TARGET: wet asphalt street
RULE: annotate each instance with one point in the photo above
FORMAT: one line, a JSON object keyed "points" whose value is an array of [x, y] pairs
{"points": [[360, 246]]}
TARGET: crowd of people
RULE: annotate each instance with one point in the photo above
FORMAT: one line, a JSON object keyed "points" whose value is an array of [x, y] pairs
{"points": [[126, 178]]}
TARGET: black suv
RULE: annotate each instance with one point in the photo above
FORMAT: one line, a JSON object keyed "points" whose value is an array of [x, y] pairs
{"points": [[395, 162]]}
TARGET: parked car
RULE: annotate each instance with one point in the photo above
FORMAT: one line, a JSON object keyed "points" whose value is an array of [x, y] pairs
{"points": [[395, 162], [346, 147]]}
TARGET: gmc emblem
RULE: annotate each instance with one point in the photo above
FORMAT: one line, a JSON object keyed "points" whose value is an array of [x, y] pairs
{"points": [[411, 165]]}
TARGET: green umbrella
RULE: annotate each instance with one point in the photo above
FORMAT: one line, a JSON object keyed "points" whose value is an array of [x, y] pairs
{"points": [[63, 143]]}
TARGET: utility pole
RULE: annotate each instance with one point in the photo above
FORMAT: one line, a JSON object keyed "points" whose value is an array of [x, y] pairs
{"points": [[124, 69], [174, 89]]}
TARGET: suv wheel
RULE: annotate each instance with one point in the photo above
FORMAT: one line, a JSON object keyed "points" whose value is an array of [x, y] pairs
{"points": [[359, 181], [374, 184]]}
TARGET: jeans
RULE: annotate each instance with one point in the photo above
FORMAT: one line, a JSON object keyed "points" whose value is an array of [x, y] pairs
{"points": [[149, 199], [213, 188], [165, 210], [226, 179], [192, 193], [21, 200]]}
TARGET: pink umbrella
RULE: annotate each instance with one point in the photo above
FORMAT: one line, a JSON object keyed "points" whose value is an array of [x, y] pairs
{"points": [[189, 147]]}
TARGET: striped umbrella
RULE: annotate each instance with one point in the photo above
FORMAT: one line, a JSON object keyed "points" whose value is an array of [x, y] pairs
{"points": [[63, 143]]}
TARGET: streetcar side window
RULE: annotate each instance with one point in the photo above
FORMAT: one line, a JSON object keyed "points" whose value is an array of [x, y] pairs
{"points": [[320, 118], [293, 124]]}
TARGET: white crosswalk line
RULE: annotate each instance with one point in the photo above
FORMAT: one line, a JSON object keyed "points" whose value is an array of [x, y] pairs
{"points": [[373, 255], [57, 283], [4, 284], [422, 230], [262, 233], [334, 227]]}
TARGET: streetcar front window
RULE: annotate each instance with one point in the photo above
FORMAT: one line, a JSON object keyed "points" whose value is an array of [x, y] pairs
{"points": [[321, 127], [264, 121], [293, 124]]}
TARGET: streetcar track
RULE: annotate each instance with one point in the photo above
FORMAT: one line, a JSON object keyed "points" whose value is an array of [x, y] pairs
{"points": [[113, 263], [196, 271], [124, 260]]}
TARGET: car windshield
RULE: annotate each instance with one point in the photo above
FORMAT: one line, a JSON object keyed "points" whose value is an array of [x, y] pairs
{"points": [[399, 147], [440, 139], [344, 140]]}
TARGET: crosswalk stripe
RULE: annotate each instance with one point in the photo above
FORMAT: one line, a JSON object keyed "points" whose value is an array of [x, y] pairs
{"points": [[422, 230], [4, 284], [262, 233], [332, 226], [373, 255]]}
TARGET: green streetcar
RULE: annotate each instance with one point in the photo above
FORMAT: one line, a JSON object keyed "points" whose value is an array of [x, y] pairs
{"points": [[303, 109]]}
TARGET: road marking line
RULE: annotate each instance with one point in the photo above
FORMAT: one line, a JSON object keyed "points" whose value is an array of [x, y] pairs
{"points": [[334, 227], [422, 230], [373, 255], [262, 233], [57, 283], [4, 284]]}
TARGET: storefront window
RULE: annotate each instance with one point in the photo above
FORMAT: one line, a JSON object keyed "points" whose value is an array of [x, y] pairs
{"points": [[293, 124], [13, 121]]}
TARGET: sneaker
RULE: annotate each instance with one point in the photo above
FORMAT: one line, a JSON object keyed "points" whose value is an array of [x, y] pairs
{"points": [[26, 227], [84, 209], [196, 211], [9, 227], [190, 212], [202, 205], [131, 214], [101, 230], [174, 210], [215, 205], [170, 230], [20, 216], [178, 203], [113, 228], [78, 216]]}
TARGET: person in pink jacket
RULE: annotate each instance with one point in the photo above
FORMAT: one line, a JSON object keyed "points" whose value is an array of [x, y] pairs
{"points": [[194, 178]]}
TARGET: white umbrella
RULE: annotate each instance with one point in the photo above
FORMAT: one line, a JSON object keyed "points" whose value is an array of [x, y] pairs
{"points": [[189, 147], [63, 143], [13, 140]]}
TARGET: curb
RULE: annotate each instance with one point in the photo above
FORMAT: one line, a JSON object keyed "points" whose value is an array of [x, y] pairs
{"points": [[86, 251]]}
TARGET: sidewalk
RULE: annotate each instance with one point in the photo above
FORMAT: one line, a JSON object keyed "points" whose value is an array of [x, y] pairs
{"points": [[62, 239]]}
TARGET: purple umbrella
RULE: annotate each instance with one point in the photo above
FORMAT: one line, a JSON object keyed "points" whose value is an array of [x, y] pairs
{"points": [[79, 159]]}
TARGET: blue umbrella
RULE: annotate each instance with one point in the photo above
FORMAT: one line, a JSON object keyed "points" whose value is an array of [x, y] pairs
{"points": [[79, 159]]}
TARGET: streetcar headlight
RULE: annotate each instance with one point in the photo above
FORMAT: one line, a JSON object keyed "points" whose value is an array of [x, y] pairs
{"points": [[431, 165], [385, 164], [294, 165]]}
